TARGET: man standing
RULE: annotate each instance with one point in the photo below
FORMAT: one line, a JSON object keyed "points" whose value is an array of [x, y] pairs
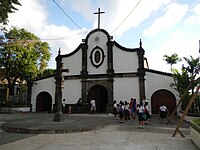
{"points": [[93, 106], [163, 112], [78, 105]]}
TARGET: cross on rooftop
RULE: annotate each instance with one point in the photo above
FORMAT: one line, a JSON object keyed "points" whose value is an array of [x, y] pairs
{"points": [[99, 12]]}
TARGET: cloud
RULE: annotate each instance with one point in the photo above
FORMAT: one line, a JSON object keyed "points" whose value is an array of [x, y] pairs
{"points": [[116, 12], [197, 9], [195, 18], [61, 34], [33, 16], [63, 38], [175, 42], [139, 14], [172, 16], [85, 8], [180, 42]]}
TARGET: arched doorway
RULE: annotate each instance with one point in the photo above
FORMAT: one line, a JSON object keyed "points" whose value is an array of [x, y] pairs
{"points": [[163, 97], [43, 102], [100, 95]]}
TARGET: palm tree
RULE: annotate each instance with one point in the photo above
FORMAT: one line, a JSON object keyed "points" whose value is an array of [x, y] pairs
{"points": [[189, 75], [193, 65], [193, 69], [173, 59]]}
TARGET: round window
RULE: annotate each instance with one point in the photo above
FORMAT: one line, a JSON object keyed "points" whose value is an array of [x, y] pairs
{"points": [[97, 56]]}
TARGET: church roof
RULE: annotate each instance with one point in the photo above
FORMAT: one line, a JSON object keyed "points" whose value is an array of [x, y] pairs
{"points": [[158, 72]]}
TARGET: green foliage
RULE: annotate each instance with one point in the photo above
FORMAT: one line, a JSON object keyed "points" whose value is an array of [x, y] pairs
{"points": [[47, 72], [181, 81], [197, 121], [7, 6], [173, 59], [186, 81], [23, 56], [193, 65]]}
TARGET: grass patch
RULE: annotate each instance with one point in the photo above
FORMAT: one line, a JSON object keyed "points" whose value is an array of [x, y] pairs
{"points": [[197, 121]]}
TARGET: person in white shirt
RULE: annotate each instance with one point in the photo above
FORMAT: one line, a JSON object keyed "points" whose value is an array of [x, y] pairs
{"points": [[141, 115], [127, 111], [163, 112], [121, 112], [93, 106], [115, 109]]}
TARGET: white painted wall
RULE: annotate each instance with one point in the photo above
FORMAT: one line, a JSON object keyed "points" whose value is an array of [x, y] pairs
{"points": [[44, 85], [124, 61], [101, 43], [125, 88], [156, 82], [73, 63], [72, 91], [92, 42]]}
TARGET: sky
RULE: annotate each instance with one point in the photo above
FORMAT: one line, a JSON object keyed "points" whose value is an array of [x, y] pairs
{"points": [[164, 26]]}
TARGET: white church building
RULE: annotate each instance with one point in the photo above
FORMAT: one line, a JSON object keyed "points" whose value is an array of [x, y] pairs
{"points": [[101, 69]]}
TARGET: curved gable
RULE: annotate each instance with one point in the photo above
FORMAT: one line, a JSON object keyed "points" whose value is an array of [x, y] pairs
{"points": [[97, 30], [124, 48], [73, 52]]}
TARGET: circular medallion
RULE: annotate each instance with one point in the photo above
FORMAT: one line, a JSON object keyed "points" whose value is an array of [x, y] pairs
{"points": [[96, 39], [97, 56]]}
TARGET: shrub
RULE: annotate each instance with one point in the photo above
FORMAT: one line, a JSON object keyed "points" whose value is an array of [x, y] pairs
{"points": [[197, 121]]}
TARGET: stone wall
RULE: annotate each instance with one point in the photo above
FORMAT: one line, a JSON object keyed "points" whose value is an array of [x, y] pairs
{"points": [[195, 133]]}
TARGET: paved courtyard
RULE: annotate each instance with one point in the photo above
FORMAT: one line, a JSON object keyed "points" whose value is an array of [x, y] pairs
{"points": [[85, 132]]}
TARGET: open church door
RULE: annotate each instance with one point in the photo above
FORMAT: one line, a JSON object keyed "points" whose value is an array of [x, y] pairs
{"points": [[100, 95], [43, 102]]}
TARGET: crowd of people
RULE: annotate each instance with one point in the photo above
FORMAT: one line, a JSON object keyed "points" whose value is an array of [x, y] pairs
{"points": [[125, 111]]}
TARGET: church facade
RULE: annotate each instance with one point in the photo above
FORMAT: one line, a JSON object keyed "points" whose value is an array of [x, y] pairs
{"points": [[101, 69]]}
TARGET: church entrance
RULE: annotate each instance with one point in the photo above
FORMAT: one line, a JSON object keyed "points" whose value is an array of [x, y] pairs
{"points": [[100, 95], [163, 97], [43, 102]]}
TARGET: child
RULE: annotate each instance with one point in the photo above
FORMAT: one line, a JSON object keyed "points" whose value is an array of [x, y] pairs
{"points": [[115, 109], [146, 112], [134, 108], [121, 112], [141, 119], [126, 111]]}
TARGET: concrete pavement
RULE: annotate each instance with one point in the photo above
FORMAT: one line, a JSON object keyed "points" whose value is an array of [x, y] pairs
{"points": [[41, 123], [102, 132]]}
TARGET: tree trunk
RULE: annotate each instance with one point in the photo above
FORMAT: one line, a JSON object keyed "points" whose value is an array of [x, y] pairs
{"points": [[11, 86]]}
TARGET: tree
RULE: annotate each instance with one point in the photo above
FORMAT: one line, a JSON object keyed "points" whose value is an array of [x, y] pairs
{"points": [[47, 72], [181, 81], [189, 76], [22, 56], [193, 69], [192, 65], [173, 59], [7, 6]]}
